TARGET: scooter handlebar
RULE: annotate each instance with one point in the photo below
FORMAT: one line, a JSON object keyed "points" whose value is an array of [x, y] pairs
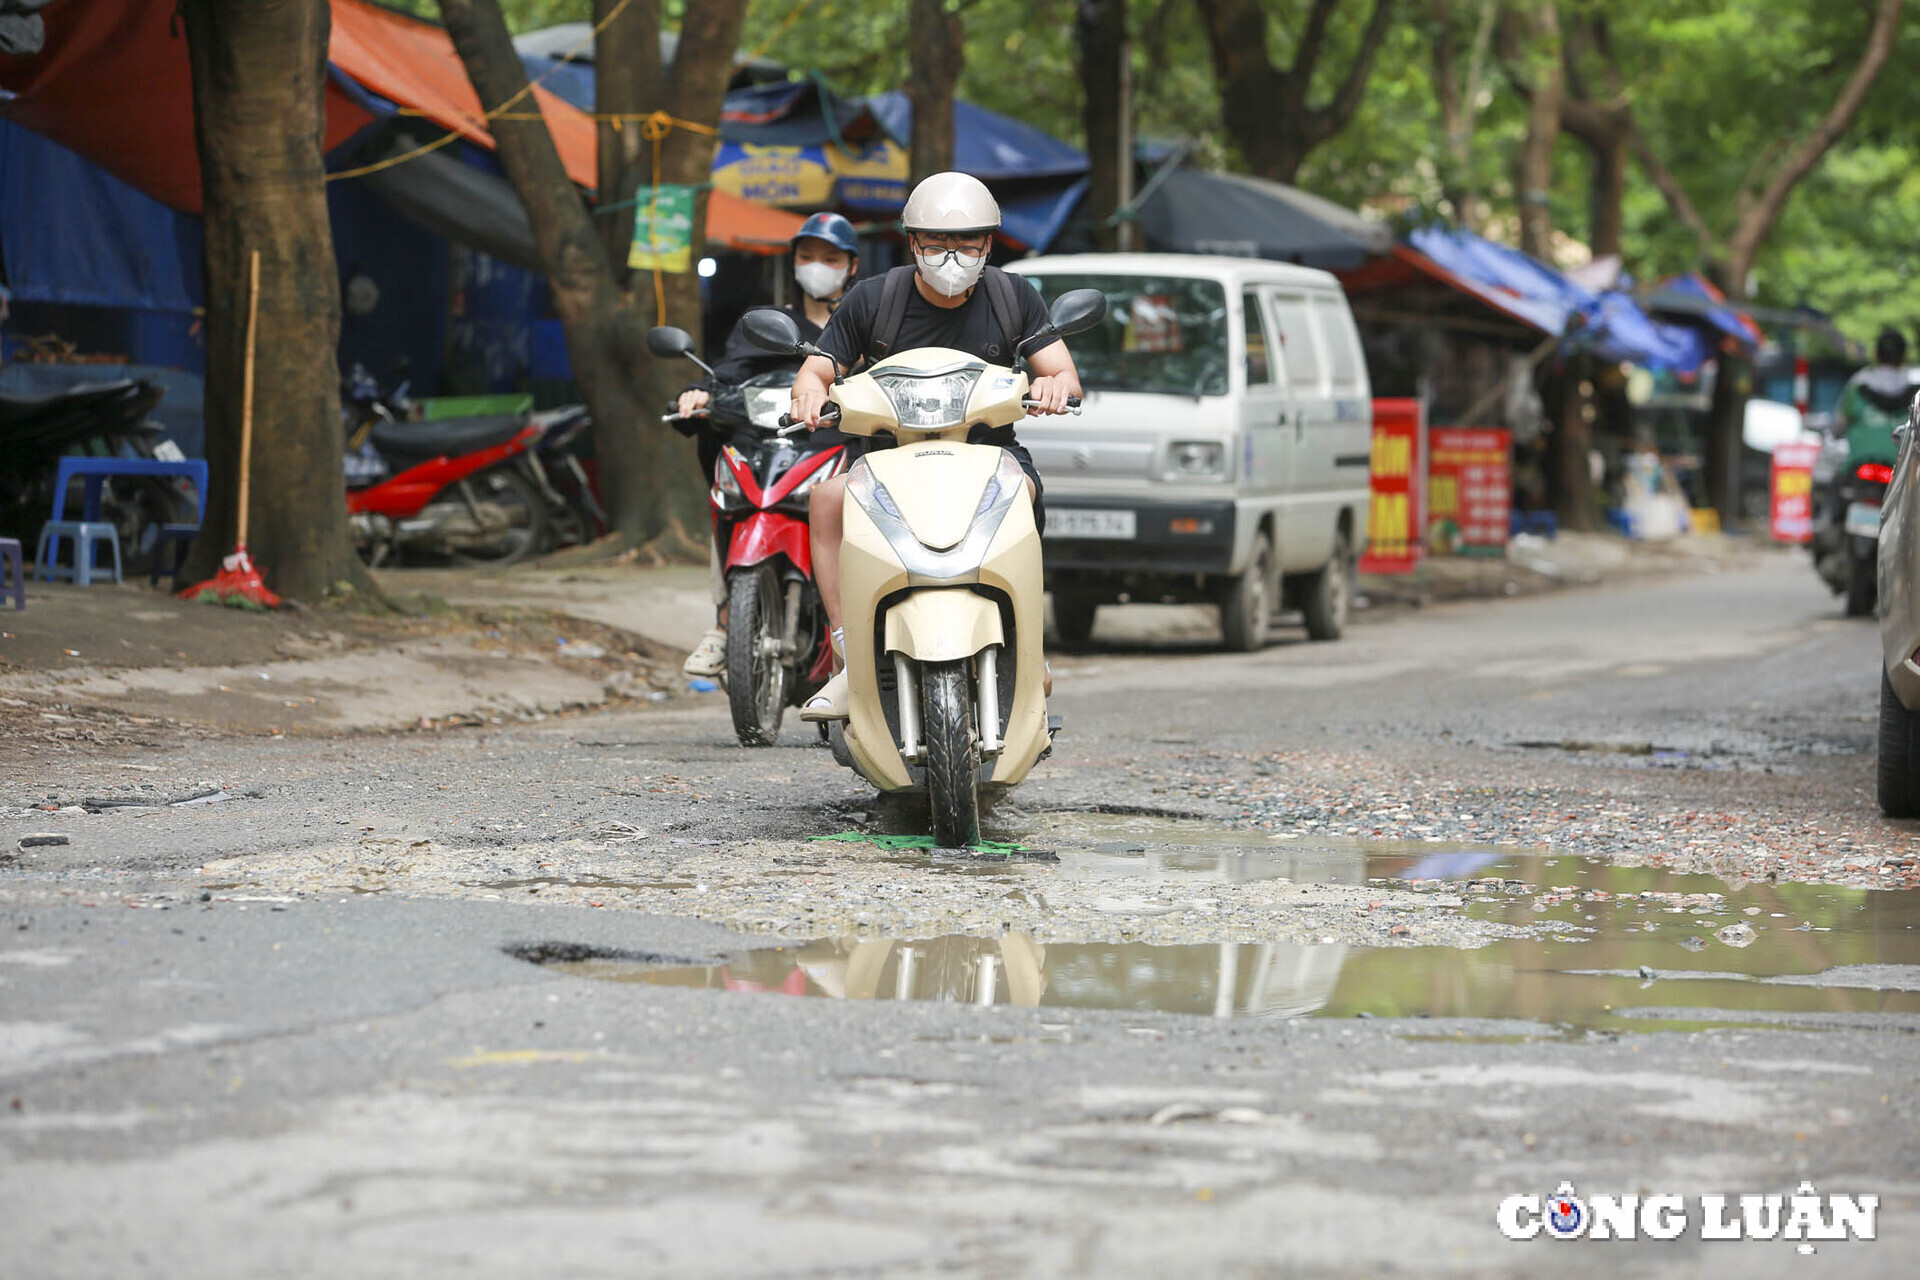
{"points": [[1073, 404], [829, 412]]}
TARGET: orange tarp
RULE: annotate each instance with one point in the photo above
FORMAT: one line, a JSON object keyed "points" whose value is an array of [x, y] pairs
{"points": [[113, 84]]}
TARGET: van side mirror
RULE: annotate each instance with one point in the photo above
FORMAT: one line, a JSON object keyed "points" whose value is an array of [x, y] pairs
{"points": [[774, 331], [1077, 310]]}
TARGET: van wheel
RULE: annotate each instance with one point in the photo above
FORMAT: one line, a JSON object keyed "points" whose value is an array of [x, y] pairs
{"points": [[1073, 613], [1328, 594], [1899, 783], [1248, 606]]}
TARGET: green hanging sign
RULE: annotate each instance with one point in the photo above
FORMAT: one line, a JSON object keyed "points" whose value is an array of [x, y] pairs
{"points": [[662, 229]]}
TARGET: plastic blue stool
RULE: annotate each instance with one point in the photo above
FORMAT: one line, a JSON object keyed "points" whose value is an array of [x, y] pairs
{"points": [[88, 536], [13, 576]]}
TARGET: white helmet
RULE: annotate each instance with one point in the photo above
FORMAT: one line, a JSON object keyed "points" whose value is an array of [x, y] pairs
{"points": [[951, 202]]}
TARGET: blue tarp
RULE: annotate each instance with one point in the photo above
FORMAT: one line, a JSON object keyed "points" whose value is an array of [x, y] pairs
{"points": [[991, 147], [1611, 325], [71, 232], [1693, 294]]}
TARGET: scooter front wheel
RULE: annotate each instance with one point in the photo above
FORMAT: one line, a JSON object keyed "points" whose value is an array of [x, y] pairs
{"points": [[756, 669], [953, 785]]}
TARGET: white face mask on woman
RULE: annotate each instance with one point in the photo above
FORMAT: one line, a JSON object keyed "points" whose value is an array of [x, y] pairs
{"points": [[950, 272], [820, 279]]}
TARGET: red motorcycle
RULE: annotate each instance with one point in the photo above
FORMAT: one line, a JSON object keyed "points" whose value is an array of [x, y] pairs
{"points": [[778, 653], [467, 488]]}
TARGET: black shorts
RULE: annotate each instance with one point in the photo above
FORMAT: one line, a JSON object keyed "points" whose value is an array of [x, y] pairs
{"points": [[1002, 436]]}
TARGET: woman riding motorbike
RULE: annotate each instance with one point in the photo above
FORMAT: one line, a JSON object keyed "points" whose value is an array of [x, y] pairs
{"points": [[826, 256]]}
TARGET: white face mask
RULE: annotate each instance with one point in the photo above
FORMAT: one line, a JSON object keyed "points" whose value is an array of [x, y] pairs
{"points": [[820, 279], [950, 272]]}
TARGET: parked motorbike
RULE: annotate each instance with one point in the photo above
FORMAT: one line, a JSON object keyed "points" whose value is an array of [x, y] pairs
{"points": [[941, 593], [102, 419], [477, 489], [778, 653]]}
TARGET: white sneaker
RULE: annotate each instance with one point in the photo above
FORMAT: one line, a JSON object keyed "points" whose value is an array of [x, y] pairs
{"points": [[828, 704], [709, 657]]}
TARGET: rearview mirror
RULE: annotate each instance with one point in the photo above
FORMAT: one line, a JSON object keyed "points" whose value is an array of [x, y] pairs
{"points": [[666, 342], [774, 331], [1078, 310]]}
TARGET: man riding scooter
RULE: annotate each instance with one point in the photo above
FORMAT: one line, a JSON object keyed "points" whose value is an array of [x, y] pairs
{"points": [[948, 298], [826, 256]]}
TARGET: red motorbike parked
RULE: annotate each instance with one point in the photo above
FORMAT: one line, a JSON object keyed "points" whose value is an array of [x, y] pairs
{"points": [[778, 654], [468, 488]]}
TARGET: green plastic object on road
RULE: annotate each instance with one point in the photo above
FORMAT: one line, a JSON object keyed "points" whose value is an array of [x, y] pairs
{"points": [[919, 842]]}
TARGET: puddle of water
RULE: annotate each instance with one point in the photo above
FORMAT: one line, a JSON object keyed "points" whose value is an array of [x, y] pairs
{"points": [[1612, 949]]}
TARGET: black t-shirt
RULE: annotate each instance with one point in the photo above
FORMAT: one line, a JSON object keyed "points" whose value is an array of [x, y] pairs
{"points": [[969, 327]]}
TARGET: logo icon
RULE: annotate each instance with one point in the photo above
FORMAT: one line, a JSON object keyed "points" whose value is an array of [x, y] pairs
{"points": [[1566, 1213]]}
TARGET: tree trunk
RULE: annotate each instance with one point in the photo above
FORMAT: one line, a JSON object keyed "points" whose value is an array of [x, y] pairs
{"points": [[647, 473], [1459, 101], [937, 52], [1725, 416], [258, 69], [1575, 508], [1264, 107], [627, 82], [1100, 28], [1533, 171], [1607, 194]]}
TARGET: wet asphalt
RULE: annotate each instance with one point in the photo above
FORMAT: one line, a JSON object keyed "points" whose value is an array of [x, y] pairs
{"points": [[325, 1056]]}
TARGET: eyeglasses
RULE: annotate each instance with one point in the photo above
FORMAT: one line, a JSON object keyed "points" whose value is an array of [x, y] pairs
{"points": [[953, 241]]}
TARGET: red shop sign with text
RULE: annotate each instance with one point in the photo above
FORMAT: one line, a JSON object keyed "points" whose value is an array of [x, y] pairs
{"points": [[1469, 489], [1396, 476], [1792, 513]]}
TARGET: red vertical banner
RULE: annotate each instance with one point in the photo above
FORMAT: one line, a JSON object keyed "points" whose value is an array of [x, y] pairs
{"points": [[1469, 489], [1396, 524], [1792, 507]]}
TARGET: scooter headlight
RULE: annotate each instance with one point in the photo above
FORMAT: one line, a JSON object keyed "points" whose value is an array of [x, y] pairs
{"points": [[929, 401]]}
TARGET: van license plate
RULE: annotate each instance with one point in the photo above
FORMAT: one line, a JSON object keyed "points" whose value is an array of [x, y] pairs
{"points": [[1071, 523], [1863, 520]]}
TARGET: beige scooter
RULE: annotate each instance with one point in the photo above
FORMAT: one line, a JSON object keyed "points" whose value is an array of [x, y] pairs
{"points": [[941, 592]]}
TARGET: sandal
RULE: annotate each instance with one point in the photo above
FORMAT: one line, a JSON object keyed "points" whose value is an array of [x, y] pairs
{"points": [[709, 657]]}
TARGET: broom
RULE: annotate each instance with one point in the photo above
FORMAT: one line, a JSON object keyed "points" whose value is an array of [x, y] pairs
{"points": [[238, 583]]}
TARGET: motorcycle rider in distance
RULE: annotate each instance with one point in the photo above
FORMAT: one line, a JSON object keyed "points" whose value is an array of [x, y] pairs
{"points": [[1876, 399], [949, 219], [826, 256]]}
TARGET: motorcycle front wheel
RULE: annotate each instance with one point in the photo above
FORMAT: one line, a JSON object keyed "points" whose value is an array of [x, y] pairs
{"points": [[953, 783], [756, 669]]}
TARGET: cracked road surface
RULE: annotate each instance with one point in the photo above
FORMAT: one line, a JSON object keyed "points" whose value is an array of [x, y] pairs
{"points": [[302, 1031]]}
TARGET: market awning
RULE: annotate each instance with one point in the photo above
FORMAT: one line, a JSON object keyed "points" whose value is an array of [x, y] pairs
{"points": [[382, 63], [1610, 324], [1196, 211], [1695, 296]]}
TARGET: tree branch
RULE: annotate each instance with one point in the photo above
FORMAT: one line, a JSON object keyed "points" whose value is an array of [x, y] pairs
{"points": [[1758, 217], [1669, 186], [1312, 41], [1346, 99]]}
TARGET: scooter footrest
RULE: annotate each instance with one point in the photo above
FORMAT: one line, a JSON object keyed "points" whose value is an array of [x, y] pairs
{"points": [[1055, 724]]}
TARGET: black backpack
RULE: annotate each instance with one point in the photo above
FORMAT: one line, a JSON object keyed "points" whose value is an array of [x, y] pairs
{"points": [[898, 287]]}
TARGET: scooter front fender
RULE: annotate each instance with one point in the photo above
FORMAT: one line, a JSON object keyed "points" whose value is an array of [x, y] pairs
{"points": [[943, 625], [766, 534]]}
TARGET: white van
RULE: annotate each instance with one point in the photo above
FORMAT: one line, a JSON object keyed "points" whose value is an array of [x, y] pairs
{"points": [[1224, 448]]}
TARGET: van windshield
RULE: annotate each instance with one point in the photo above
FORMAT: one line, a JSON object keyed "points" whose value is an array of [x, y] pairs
{"points": [[1164, 334]]}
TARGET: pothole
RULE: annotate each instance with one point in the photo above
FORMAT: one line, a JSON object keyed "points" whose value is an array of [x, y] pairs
{"points": [[1588, 946]]}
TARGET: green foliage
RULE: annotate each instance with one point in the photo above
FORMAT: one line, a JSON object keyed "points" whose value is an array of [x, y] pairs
{"points": [[1720, 91]]}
